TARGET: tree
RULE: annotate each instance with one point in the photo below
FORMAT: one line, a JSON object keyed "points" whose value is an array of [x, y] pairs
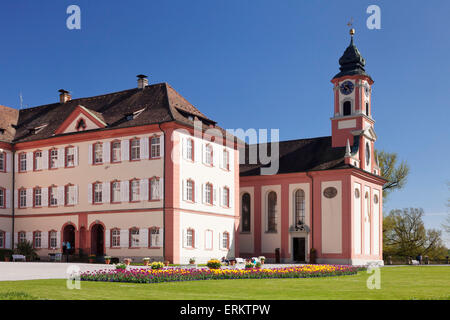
{"points": [[396, 175], [404, 234]]}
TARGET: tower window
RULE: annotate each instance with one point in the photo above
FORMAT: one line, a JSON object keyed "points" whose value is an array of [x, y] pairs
{"points": [[367, 109], [347, 108]]}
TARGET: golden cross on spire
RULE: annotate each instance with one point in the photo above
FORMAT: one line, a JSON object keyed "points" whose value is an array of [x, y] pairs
{"points": [[350, 23]]}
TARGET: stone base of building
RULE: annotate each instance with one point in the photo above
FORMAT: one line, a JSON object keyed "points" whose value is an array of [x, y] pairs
{"points": [[353, 262]]}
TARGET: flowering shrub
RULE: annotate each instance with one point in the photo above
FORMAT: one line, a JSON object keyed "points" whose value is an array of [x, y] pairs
{"points": [[142, 275], [249, 265], [121, 266], [157, 265], [214, 264]]}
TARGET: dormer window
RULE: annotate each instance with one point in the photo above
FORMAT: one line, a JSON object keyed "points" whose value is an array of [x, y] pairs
{"points": [[347, 108]]}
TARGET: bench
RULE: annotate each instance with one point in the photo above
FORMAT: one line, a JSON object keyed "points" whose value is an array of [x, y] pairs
{"points": [[18, 257]]}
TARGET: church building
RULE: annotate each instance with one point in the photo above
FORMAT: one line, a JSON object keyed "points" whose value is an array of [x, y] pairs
{"points": [[144, 173]]}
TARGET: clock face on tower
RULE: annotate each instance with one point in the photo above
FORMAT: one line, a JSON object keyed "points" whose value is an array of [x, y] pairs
{"points": [[346, 87], [366, 90]]}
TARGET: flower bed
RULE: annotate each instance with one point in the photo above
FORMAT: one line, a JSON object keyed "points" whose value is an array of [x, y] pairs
{"points": [[142, 275]]}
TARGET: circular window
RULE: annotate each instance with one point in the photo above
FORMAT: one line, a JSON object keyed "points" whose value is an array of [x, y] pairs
{"points": [[375, 199], [330, 192], [357, 193]]}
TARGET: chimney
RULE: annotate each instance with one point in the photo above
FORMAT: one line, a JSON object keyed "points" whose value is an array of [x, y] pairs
{"points": [[142, 81], [64, 96]]}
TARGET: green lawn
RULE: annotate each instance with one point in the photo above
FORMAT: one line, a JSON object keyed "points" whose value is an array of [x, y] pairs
{"points": [[396, 283]]}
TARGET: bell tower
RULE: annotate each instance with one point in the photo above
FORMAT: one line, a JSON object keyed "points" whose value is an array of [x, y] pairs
{"points": [[352, 122]]}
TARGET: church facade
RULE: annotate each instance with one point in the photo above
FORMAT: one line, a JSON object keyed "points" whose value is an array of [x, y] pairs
{"points": [[143, 173]]}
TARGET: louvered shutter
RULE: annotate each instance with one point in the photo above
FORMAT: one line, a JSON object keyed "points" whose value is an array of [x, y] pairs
{"points": [[44, 197], [125, 145], [16, 163], [45, 160], [160, 242], [124, 239], [124, 190], [162, 144], [90, 154], [29, 161], [203, 153], [7, 240], [75, 195], [8, 162], [16, 199], [196, 239], [58, 239], [29, 236], [61, 196], [220, 197], [161, 188], [8, 199], [143, 237], [183, 189], [214, 196], [90, 192], [106, 192], [75, 156], [184, 238], [143, 185], [197, 194], [183, 148], [144, 142], [29, 198], [107, 152], [44, 239], [107, 238], [61, 163]]}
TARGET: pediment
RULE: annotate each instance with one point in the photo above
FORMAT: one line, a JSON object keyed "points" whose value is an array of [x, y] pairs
{"points": [[81, 119]]}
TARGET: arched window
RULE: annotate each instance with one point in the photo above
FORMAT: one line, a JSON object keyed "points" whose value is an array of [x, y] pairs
{"points": [[367, 109], [299, 207], [246, 212], [347, 109], [271, 212]]}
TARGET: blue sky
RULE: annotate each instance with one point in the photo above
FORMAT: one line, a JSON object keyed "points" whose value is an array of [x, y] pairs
{"points": [[251, 64]]}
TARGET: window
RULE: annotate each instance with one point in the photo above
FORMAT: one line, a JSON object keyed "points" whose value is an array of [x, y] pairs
{"points": [[226, 197], [115, 191], [22, 237], [226, 160], [154, 189], [23, 162], [53, 159], [53, 196], [135, 147], [37, 197], [154, 237], [134, 238], [190, 238], [37, 241], [22, 198], [70, 157], [271, 212], [246, 212], [225, 240], [134, 190], [98, 192], [81, 125], [209, 154], [155, 144], [367, 208], [2, 239], [367, 154], [367, 109], [53, 240], [190, 149], [116, 151], [209, 193], [299, 207], [3, 161], [2, 198], [190, 190], [115, 238], [347, 108], [38, 160], [98, 153]]}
